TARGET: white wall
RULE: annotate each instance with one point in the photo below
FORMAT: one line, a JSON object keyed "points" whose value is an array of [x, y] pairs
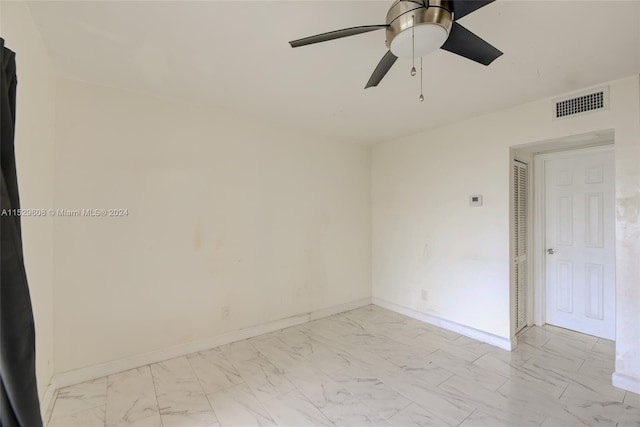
{"points": [[34, 155], [425, 236], [627, 373], [223, 214]]}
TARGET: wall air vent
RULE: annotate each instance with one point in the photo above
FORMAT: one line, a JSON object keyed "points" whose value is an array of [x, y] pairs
{"points": [[587, 102]]}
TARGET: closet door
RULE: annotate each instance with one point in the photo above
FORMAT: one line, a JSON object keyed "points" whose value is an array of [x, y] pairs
{"points": [[520, 230]]}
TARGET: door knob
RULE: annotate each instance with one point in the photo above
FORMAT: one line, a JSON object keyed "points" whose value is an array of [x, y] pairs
{"points": [[551, 251]]}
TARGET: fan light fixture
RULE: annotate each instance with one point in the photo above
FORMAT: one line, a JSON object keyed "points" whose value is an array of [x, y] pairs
{"points": [[415, 30], [428, 38]]}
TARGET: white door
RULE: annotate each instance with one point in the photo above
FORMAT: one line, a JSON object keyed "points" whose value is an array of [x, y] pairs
{"points": [[580, 238]]}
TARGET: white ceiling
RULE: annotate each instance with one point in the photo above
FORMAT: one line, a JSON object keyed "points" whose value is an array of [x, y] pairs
{"points": [[234, 55]]}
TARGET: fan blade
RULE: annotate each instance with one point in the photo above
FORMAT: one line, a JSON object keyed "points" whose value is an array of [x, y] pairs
{"points": [[464, 43], [464, 7], [382, 69], [338, 34]]}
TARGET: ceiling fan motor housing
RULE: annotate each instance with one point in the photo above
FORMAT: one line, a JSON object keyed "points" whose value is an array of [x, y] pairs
{"points": [[416, 27]]}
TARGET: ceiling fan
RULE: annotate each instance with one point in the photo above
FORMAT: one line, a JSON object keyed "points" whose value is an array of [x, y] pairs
{"points": [[417, 28]]}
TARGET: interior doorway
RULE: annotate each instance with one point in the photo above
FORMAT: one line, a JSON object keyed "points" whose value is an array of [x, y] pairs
{"points": [[569, 244]]}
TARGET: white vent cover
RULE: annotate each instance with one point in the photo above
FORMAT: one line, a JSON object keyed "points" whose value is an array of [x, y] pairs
{"points": [[578, 104]]}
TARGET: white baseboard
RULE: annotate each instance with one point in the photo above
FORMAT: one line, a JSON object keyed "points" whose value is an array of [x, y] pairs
{"points": [[98, 371], [341, 308], [485, 337], [626, 382]]}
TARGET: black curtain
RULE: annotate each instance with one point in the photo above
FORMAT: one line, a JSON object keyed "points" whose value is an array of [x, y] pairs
{"points": [[19, 406]]}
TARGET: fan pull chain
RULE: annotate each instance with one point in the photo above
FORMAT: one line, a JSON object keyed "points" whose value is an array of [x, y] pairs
{"points": [[413, 44], [421, 98]]}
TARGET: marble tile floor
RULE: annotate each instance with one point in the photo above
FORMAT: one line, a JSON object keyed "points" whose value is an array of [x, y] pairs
{"points": [[368, 366]]}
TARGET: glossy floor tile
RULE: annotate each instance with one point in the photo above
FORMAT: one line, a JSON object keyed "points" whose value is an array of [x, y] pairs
{"points": [[364, 367], [131, 399]]}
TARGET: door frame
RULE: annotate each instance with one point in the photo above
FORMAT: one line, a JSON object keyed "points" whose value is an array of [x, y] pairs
{"points": [[538, 256]]}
